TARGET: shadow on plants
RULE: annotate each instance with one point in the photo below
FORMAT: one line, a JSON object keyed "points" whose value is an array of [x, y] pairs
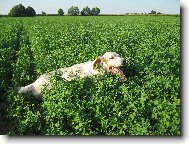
{"points": [[130, 71]]}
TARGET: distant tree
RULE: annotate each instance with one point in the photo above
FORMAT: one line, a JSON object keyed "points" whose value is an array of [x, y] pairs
{"points": [[30, 11], [43, 13], [86, 11], [153, 12], [159, 13], [17, 11], [73, 11], [95, 11], [60, 12]]}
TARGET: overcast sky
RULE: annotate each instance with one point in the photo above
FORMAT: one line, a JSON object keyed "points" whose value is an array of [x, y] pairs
{"points": [[106, 6]]}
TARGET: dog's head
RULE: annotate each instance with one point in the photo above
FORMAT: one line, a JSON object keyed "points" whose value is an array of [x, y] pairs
{"points": [[110, 61]]}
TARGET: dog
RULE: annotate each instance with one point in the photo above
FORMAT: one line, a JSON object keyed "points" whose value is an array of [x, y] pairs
{"points": [[109, 62]]}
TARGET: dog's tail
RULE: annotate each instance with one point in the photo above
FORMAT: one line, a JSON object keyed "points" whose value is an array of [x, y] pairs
{"points": [[26, 89]]}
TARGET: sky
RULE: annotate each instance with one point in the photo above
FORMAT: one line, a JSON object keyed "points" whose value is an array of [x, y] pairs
{"points": [[106, 6]]}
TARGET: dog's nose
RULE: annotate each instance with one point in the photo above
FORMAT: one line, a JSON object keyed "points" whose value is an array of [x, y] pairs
{"points": [[124, 62]]}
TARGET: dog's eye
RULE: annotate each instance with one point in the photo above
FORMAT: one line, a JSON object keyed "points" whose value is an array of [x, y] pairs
{"points": [[112, 58]]}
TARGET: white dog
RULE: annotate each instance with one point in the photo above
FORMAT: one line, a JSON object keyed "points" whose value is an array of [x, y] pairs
{"points": [[109, 62]]}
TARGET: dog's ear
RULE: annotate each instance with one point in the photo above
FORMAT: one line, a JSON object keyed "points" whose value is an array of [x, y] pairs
{"points": [[96, 61]]}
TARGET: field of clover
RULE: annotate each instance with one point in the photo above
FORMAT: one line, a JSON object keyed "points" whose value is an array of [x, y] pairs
{"points": [[148, 103]]}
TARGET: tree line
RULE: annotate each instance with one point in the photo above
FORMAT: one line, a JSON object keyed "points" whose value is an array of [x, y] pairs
{"points": [[20, 11]]}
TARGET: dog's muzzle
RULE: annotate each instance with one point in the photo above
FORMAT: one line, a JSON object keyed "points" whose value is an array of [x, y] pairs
{"points": [[119, 71]]}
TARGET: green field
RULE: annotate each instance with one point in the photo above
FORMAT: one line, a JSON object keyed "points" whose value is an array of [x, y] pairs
{"points": [[148, 103]]}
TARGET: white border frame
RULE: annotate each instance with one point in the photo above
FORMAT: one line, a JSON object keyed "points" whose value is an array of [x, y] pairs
{"points": [[184, 139]]}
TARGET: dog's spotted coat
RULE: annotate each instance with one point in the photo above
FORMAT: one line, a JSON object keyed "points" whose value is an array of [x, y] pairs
{"points": [[109, 62]]}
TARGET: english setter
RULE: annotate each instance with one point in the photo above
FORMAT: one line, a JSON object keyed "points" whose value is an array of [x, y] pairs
{"points": [[109, 62]]}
